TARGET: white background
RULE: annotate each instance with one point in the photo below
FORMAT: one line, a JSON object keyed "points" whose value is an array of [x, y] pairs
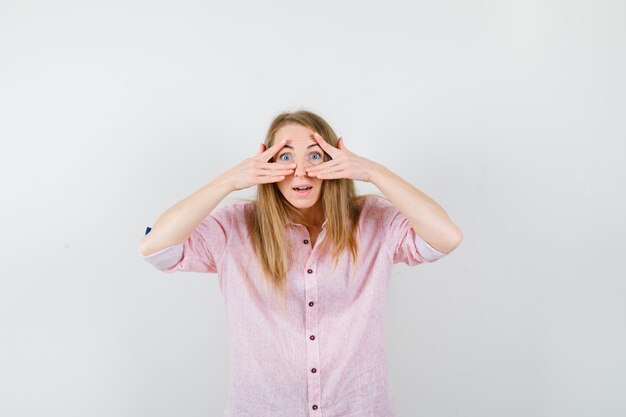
{"points": [[511, 115]]}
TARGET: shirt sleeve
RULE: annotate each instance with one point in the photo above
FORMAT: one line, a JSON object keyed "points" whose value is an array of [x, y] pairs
{"points": [[405, 245], [202, 251]]}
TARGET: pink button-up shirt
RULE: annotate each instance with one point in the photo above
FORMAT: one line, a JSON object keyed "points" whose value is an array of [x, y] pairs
{"points": [[328, 355]]}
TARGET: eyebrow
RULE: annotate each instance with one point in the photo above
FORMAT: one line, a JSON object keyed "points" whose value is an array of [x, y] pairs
{"points": [[310, 146]]}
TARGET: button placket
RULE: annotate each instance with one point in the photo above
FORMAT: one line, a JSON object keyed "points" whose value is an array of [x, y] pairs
{"points": [[311, 331]]}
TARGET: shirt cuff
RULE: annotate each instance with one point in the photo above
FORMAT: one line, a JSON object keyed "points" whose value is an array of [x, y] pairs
{"points": [[166, 258], [428, 252]]}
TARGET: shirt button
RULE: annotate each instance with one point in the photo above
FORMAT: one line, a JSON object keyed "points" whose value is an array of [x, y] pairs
{"points": [[314, 406], [314, 370], [306, 241], [312, 337], [310, 271], [311, 304]]}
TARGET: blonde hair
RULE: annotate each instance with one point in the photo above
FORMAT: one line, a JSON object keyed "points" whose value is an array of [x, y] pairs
{"points": [[270, 212]]}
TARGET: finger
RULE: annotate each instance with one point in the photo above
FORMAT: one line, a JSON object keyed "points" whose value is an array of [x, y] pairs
{"points": [[262, 149], [267, 179], [276, 165], [324, 165], [271, 151], [340, 144], [328, 148], [331, 170], [260, 172], [332, 175]]}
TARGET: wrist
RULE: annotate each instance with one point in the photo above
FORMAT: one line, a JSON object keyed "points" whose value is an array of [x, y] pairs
{"points": [[376, 170], [223, 183]]}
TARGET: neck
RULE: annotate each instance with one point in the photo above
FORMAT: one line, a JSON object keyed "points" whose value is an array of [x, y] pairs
{"points": [[314, 215]]}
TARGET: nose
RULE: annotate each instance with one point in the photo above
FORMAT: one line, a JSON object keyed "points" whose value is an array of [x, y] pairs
{"points": [[301, 165]]}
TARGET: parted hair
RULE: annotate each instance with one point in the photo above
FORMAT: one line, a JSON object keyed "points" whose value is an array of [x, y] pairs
{"points": [[267, 220]]}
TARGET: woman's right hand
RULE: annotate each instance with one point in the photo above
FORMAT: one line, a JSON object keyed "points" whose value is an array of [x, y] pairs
{"points": [[256, 170]]}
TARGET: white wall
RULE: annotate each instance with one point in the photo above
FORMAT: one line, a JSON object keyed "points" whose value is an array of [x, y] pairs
{"points": [[510, 114]]}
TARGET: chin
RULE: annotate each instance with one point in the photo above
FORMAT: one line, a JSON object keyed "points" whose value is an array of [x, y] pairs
{"points": [[302, 204]]}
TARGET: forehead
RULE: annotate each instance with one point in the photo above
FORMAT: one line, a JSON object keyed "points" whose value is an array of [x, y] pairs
{"points": [[294, 133]]}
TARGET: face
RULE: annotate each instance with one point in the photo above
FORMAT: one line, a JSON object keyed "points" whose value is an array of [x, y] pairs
{"points": [[301, 149]]}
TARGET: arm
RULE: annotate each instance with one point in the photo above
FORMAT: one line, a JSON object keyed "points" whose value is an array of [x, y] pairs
{"points": [[176, 223], [429, 220]]}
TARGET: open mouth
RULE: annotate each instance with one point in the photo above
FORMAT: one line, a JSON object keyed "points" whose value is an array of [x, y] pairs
{"points": [[303, 191]]}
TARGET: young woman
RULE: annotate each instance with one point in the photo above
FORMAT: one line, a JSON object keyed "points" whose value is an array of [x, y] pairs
{"points": [[324, 252]]}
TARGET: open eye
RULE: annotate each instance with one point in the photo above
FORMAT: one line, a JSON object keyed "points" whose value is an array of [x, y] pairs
{"points": [[316, 156]]}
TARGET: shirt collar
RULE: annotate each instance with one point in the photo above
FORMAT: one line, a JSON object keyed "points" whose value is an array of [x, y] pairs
{"points": [[299, 224]]}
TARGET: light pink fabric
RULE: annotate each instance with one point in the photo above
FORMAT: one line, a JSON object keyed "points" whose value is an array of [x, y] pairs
{"points": [[328, 355]]}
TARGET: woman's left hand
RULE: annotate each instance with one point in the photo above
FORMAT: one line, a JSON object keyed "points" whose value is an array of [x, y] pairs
{"points": [[344, 164]]}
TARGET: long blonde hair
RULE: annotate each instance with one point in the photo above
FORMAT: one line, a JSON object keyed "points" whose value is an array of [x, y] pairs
{"points": [[270, 212]]}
